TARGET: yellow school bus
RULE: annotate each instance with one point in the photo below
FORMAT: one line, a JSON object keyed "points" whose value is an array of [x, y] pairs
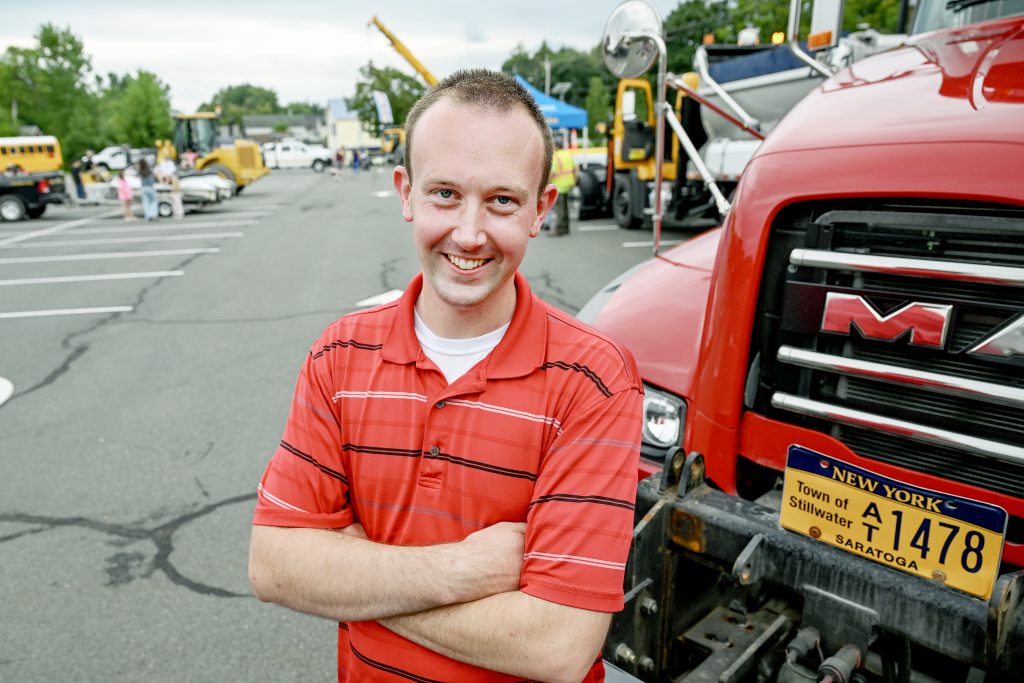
{"points": [[33, 154]]}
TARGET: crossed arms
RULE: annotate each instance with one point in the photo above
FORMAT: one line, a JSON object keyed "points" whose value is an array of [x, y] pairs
{"points": [[460, 599]]}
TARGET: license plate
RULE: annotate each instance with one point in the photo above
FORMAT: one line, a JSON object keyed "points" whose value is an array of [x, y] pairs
{"points": [[948, 539]]}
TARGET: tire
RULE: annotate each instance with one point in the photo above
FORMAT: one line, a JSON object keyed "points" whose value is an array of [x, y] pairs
{"points": [[319, 165], [12, 208], [622, 206], [36, 212], [164, 210]]}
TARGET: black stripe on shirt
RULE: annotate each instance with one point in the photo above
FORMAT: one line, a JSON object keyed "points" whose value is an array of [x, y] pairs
{"points": [[576, 367], [381, 450], [573, 498], [314, 462], [390, 669], [346, 343], [477, 465]]}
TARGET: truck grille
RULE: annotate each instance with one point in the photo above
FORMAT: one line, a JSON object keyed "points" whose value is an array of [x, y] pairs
{"points": [[899, 329], [247, 156]]}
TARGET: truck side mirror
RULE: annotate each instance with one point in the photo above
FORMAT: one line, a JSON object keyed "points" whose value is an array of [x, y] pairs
{"points": [[826, 25]]}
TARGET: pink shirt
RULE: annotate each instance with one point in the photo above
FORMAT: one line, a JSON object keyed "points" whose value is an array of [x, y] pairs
{"points": [[124, 189]]}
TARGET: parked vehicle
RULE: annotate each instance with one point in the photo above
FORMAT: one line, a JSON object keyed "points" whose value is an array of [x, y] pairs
{"points": [[296, 154], [762, 82], [31, 153], [196, 144], [26, 195], [120, 157], [834, 394]]}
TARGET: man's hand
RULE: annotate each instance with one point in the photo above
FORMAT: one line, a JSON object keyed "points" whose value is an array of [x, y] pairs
{"points": [[499, 552]]}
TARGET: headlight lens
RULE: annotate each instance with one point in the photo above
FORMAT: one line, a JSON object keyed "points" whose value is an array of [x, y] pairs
{"points": [[664, 417]]}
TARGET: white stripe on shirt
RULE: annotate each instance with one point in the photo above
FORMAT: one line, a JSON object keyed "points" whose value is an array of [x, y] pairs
{"points": [[501, 410], [589, 561], [277, 501]]}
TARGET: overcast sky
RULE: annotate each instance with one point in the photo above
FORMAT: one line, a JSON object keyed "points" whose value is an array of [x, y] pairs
{"points": [[305, 50]]}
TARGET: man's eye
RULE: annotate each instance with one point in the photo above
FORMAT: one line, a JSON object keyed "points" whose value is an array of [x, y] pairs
{"points": [[445, 194], [502, 199]]}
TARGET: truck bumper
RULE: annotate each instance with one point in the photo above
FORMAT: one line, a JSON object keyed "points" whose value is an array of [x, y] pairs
{"points": [[699, 551]]}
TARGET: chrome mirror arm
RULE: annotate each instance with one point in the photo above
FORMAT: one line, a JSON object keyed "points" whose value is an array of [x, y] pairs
{"points": [[794, 42], [700, 60]]}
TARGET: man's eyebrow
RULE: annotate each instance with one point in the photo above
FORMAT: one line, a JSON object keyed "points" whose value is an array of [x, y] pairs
{"points": [[509, 189]]}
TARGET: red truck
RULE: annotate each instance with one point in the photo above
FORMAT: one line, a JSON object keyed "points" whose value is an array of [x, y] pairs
{"points": [[835, 385]]}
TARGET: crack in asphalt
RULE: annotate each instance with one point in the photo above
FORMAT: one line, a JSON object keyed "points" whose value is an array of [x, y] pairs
{"points": [[387, 269], [545, 287], [78, 350], [120, 564]]}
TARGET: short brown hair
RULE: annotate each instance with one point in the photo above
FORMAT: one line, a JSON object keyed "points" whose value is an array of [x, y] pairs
{"points": [[490, 90]]}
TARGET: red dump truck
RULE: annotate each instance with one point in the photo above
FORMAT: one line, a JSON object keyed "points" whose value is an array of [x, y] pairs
{"points": [[834, 382]]}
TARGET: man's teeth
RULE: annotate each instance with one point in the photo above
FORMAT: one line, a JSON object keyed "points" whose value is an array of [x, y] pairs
{"points": [[466, 263]]}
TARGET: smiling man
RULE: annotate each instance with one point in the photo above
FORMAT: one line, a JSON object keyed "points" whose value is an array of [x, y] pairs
{"points": [[456, 480]]}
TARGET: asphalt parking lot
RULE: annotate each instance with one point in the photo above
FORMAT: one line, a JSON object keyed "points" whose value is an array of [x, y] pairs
{"points": [[148, 370]]}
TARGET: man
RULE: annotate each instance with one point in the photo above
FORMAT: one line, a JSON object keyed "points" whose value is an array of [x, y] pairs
{"points": [[456, 480], [564, 175]]}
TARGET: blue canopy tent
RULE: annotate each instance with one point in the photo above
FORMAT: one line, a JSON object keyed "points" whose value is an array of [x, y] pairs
{"points": [[558, 114]]}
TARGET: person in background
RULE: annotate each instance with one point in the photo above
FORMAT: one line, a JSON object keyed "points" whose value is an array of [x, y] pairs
{"points": [[564, 175], [355, 160], [188, 162], [167, 173], [76, 176], [124, 195], [148, 180]]}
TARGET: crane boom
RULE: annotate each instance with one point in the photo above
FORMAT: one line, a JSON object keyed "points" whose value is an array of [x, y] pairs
{"points": [[400, 47]]}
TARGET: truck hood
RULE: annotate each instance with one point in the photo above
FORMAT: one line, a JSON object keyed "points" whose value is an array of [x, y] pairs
{"points": [[946, 86], [657, 310]]}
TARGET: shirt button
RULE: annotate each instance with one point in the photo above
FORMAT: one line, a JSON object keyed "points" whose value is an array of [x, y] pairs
{"points": [[434, 450], [439, 404]]}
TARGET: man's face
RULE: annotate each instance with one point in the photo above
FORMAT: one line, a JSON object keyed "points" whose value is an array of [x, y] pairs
{"points": [[474, 205]]}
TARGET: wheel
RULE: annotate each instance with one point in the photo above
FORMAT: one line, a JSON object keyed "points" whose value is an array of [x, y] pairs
{"points": [[165, 210], [622, 206], [319, 165], [36, 212], [12, 208]]}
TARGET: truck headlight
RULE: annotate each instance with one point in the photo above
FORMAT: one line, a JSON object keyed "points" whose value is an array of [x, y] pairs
{"points": [[664, 419]]}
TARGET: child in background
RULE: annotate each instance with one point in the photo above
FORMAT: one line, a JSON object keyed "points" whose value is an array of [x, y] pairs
{"points": [[124, 195]]}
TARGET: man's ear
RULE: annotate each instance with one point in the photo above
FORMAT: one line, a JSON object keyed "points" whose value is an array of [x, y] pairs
{"points": [[545, 201], [403, 186]]}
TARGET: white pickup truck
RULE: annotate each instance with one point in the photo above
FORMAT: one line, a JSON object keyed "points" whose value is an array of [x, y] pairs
{"points": [[296, 154]]}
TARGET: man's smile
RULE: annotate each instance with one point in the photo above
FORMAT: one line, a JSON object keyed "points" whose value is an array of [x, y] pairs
{"points": [[466, 263]]}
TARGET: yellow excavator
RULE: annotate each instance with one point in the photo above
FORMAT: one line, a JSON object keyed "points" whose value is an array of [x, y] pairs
{"points": [[393, 138], [195, 135]]}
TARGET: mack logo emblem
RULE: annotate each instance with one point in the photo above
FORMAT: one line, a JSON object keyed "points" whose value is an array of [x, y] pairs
{"points": [[927, 324]]}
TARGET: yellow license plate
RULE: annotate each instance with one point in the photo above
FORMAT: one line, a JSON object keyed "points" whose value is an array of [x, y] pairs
{"points": [[951, 540]]}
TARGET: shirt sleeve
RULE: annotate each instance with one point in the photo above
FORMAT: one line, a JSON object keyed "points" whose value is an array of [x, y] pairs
{"points": [[580, 522], [305, 483]]}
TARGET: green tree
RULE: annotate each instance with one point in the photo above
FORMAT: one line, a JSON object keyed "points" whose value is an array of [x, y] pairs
{"points": [[303, 108], [686, 26], [236, 101], [138, 110], [402, 89], [48, 85], [599, 106]]}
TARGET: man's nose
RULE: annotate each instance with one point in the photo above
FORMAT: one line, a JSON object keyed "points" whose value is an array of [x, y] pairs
{"points": [[468, 232]]}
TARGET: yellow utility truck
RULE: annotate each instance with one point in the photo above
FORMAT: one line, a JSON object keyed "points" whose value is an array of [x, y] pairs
{"points": [[195, 135]]}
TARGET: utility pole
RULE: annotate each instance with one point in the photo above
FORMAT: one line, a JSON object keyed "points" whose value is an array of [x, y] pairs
{"points": [[547, 76]]}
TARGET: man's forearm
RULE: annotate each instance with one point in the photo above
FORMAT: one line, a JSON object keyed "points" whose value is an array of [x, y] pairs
{"points": [[513, 633], [346, 578]]}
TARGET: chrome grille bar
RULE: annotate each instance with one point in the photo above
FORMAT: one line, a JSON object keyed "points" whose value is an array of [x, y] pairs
{"points": [[894, 374], [908, 267], [910, 430]]}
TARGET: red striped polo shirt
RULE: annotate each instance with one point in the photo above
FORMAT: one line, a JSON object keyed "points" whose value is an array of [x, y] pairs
{"points": [[545, 429]]}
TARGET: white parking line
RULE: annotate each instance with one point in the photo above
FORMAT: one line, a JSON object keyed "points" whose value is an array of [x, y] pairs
{"points": [[599, 226], [6, 389], [163, 226], [383, 298], [128, 240], [664, 243], [90, 278], [119, 254], [66, 311], [56, 228]]}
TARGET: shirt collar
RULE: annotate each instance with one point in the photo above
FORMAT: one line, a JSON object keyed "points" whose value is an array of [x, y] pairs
{"points": [[510, 357]]}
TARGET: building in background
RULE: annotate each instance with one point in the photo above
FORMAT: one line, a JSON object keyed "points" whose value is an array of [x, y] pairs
{"points": [[344, 129], [268, 127]]}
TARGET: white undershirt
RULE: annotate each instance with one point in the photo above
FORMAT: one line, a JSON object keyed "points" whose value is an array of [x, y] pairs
{"points": [[455, 356]]}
